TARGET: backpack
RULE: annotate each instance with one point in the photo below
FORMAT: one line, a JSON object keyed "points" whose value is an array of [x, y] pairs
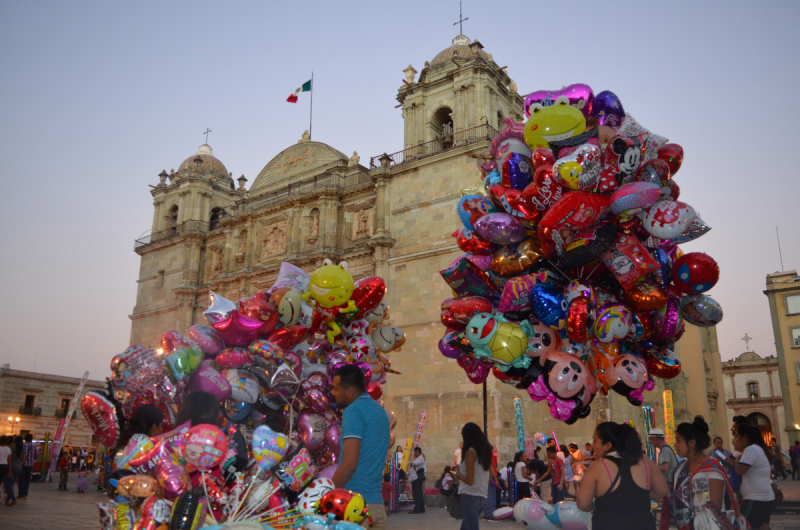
{"points": [[438, 484]]}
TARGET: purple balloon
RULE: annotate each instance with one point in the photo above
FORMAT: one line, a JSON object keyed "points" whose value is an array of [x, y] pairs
{"points": [[447, 350], [294, 362], [332, 437], [607, 110], [667, 320], [500, 228], [317, 400], [237, 330], [580, 96], [207, 379], [312, 428]]}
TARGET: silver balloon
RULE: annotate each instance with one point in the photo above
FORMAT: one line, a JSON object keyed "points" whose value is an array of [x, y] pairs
{"points": [[701, 310], [695, 230], [285, 382], [220, 308]]}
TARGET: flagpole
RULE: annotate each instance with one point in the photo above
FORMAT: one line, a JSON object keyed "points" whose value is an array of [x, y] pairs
{"points": [[311, 108]]}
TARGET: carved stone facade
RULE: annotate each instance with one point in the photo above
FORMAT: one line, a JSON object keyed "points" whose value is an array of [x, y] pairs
{"points": [[394, 220]]}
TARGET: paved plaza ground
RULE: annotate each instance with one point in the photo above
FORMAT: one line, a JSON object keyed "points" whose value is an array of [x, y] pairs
{"points": [[49, 508]]}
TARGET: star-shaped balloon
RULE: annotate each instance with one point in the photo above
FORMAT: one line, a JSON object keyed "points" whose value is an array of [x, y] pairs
{"points": [[220, 308], [481, 188], [237, 330]]}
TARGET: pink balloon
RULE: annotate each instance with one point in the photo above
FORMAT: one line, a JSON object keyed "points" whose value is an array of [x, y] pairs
{"points": [[164, 445], [173, 340], [328, 472], [207, 379], [317, 400], [237, 330], [332, 438], [294, 362], [172, 476], [207, 339], [312, 428], [101, 413], [155, 514], [233, 358]]}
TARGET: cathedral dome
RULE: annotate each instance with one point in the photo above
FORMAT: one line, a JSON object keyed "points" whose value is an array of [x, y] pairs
{"points": [[460, 49], [209, 166]]}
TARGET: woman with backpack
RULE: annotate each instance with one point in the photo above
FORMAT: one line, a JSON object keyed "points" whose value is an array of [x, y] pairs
{"points": [[702, 494], [445, 482], [758, 499], [473, 475]]}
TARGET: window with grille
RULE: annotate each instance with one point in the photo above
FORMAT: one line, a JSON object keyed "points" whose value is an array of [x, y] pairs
{"points": [[752, 389]]}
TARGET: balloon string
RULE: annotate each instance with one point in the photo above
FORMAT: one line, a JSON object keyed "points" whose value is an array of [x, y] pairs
{"points": [[250, 510], [241, 501], [210, 508]]}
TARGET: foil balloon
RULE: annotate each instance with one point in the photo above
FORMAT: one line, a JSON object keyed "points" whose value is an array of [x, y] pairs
{"points": [[309, 499], [641, 326], [633, 198], [613, 323], [549, 305], [233, 358], [577, 210], [646, 296], [368, 293], [163, 445], [344, 505], [138, 445], [171, 340], [457, 312], [207, 379], [138, 487], [257, 308], [285, 382], [317, 400], [466, 278], [662, 362], [101, 414], [237, 330], [269, 447], [578, 95], [513, 260], [204, 446], [172, 476], [621, 159], [663, 274], [545, 191], [579, 170], [668, 219], [244, 386], [700, 310], [695, 273], [236, 411], [189, 510], [108, 515], [311, 427], [542, 157], [220, 308], [555, 122], [292, 277], [266, 351], [567, 385], [495, 338], [628, 260], [289, 304], [469, 241], [607, 110], [516, 293], [589, 245], [516, 171], [476, 371], [672, 154], [667, 320], [448, 345], [473, 207], [136, 370], [296, 470], [183, 361], [206, 339], [697, 229], [580, 319], [500, 228], [375, 390], [333, 435]]}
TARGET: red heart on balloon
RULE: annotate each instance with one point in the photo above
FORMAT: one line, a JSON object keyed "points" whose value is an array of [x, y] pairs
{"points": [[575, 211], [456, 313], [477, 372], [470, 241], [541, 194], [542, 156], [672, 154], [368, 293]]}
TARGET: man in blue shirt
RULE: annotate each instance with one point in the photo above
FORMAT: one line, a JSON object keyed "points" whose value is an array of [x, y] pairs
{"points": [[364, 441]]}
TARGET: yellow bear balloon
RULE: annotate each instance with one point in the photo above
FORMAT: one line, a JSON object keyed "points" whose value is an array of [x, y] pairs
{"points": [[331, 287], [553, 123]]}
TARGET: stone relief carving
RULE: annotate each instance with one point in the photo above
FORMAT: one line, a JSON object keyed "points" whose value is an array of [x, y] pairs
{"points": [[314, 224], [240, 251], [291, 162], [216, 261], [305, 138], [274, 240], [362, 224]]}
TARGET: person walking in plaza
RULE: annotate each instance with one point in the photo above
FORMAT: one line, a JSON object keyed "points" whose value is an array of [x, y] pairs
{"points": [[63, 468], [505, 480], [522, 475], [667, 462], [5, 458], [474, 474], [621, 481], [555, 472], [794, 454], [702, 495], [14, 460], [758, 499], [29, 459], [457, 455], [364, 441], [777, 459], [577, 466], [418, 471]]}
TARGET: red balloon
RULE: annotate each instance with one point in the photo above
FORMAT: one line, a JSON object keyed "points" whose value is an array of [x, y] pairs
{"points": [[375, 390], [368, 293], [101, 414], [288, 337], [259, 309], [470, 241], [457, 312], [542, 156], [541, 194], [575, 211], [172, 340], [653, 170], [580, 319], [554, 243], [695, 272], [672, 154]]}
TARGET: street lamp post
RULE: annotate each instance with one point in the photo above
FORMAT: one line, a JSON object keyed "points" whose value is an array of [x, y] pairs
{"points": [[13, 421]]}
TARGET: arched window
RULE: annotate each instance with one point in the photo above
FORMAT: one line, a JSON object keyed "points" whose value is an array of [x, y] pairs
{"points": [[442, 124], [172, 219], [216, 215], [500, 118]]}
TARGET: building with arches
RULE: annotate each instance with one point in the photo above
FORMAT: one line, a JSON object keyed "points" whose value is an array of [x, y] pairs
{"points": [[752, 389], [393, 217]]}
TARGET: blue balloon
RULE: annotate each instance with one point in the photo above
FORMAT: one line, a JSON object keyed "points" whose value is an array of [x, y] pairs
{"points": [[236, 411], [549, 305], [517, 171], [473, 207], [607, 109], [664, 272], [492, 178]]}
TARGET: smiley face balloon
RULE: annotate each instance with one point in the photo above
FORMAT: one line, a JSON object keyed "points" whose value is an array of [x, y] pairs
{"points": [[553, 123], [331, 285]]}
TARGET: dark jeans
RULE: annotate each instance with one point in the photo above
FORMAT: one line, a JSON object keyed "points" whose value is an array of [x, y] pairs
{"points": [[15, 471], [558, 493], [794, 469], [523, 490], [491, 501], [471, 507], [418, 492], [25, 480]]}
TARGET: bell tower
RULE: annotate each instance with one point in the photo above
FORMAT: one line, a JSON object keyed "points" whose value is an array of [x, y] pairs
{"points": [[460, 89]]}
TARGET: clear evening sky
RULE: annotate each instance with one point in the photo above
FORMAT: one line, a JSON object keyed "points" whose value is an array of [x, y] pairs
{"points": [[96, 98]]}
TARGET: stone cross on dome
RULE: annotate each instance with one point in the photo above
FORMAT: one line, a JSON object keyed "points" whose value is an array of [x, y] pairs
{"points": [[461, 20], [206, 133], [747, 338]]}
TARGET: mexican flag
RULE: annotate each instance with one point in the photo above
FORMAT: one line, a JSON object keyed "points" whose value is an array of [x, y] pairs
{"points": [[305, 88]]}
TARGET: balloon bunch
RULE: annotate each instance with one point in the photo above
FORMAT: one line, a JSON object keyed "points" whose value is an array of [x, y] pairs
{"points": [[269, 361], [572, 281]]}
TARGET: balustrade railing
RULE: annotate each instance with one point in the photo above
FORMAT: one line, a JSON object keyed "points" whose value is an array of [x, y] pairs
{"points": [[439, 145]]}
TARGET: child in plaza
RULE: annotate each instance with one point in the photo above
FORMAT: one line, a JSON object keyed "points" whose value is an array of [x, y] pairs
{"points": [[82, 484], [386, 491], [63, 466]]}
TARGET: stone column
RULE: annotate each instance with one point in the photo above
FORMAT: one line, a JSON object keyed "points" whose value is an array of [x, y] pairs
{"points": [[492, 112], [380, 178], [295, 227], [331, 223], [420, 122], [472, 104], [158, 207], [227, 256], [458, 111], [250, 226], [205, 206], [183, 203]]}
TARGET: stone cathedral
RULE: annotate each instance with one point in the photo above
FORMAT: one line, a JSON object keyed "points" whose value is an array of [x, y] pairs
{"points": [[392, 217]]}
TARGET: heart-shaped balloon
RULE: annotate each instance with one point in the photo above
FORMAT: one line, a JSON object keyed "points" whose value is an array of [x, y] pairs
{"points": [[575, 211], [100, 412], [207, 379], [206, 339], [269, 447], [473, 207], [287, 337], [476, 371], [311, 427], [672, 154], [368, 293], [542, 157], [457, 312], [579, 96], [500, 228], [469, 241], [541, 194], [332, 438], [581, 169], [668, 219]]}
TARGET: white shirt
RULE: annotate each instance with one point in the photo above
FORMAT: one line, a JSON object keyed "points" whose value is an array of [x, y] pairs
{"points": [[504, 474], [518, 472], [756, 483], [5, 452], [457, 456], [416, 465], [480, 480]]}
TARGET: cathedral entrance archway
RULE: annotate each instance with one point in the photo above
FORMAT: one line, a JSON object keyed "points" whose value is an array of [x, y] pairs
{"points": [[762, 422]]}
